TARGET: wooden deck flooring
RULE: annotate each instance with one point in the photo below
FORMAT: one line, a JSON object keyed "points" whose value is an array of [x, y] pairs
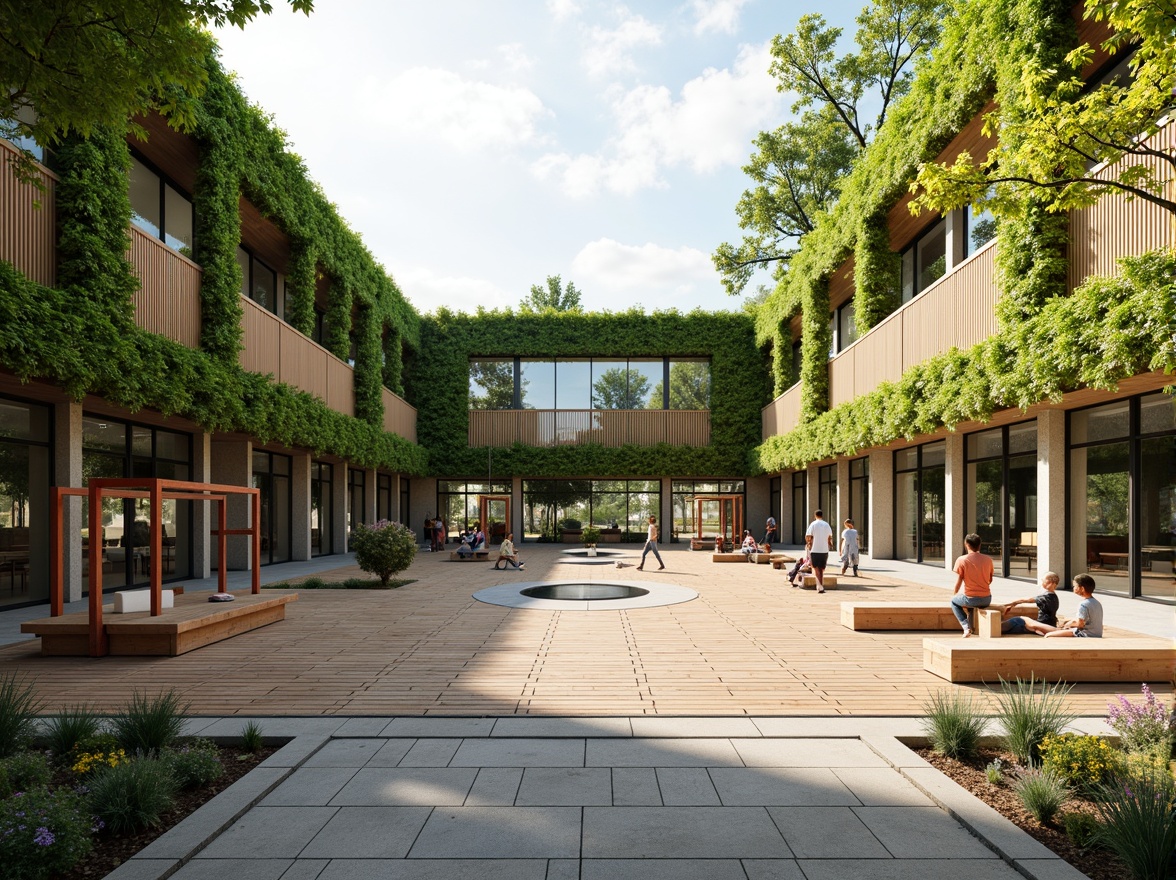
{"points": [[748, 645]]}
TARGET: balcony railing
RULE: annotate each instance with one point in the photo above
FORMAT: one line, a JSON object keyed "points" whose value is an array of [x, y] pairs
{"points": [[782, 414], [608, 427], [273, 346], [168, 299], [1114, 227], [399, 417], [28, 220]]}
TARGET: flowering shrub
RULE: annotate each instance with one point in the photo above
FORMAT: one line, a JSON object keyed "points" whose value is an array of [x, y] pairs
{"points": [[1081, 761], [23, 771], [1145, 727], [43, 833], [384, 549], [194, 764], [87, 762]]}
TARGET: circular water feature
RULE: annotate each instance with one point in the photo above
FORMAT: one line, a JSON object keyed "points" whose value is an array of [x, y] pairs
{"points": [[584, 592], [583, 551]]}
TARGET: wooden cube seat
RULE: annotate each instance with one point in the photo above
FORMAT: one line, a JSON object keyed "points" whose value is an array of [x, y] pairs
{"points": [[1071, 660], [809, 582]]}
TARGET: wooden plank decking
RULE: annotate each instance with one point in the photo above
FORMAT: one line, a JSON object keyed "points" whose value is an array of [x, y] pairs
{"points": [[748, 645]]}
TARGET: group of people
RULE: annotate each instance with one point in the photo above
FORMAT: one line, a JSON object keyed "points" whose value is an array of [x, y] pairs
{"points": [[819, 545], [974, 571]]}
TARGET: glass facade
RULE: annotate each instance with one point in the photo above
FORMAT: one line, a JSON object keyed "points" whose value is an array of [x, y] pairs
{"points": [[859, 501], [623, 505], [590, 383], [827, 495], [258, 281], [682, 494], [322, 520], [1122, 496], [271, 474], [1001, 496], [356, 499], [160, 209], [113, 448], [920, 504], [384, 497], [457, 502], [925, 262], [26, 472], [799, 506]]}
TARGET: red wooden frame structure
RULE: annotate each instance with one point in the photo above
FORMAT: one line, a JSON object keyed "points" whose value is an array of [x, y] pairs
{"points": [[157, 491], [733, 502]]}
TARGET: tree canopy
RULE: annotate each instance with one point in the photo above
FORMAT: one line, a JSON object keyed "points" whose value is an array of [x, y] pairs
{"points": [[1066, 126], [554, 296], [618, 388], [74, 66], [797, 168]]}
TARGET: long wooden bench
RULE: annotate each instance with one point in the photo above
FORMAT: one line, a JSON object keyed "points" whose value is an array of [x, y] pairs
{"points": [[476, 556], [1071, 660], [193, 623], [912, 616], [737, 556]]}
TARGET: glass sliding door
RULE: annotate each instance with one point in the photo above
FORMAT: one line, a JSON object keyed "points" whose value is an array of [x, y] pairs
{"points": [[859, 500], [920, 503], [1001, 496]]}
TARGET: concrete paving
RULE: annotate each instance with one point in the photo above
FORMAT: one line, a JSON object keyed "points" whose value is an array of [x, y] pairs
{"points": [[713, 805]]}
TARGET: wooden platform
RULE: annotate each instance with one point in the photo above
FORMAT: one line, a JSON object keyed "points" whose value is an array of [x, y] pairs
{"points": [[476, 556], [1070, 660], [907, 616], [193, 623]]}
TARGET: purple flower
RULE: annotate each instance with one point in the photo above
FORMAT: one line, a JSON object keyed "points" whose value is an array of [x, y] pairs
{"points": [[44, 837], [97, 826]]}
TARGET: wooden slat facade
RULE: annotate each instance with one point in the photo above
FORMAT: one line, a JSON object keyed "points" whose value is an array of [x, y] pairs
{"points": [[1115, 227], [28, 232], [782, 414], [620, 427], [399, 417], [168, 299], [273, 346]]}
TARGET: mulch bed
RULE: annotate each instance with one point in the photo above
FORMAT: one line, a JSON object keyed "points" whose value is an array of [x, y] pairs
{"points": [[1097, 864], [111, 850]]}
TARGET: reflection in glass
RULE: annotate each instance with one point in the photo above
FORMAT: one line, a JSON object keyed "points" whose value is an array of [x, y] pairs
{"points": [[144, 193], [932, 256], [690, 384], [1157, 517], [1099, 514], [985, 489], [611, 388], [1157, 412], [573, 384], [491, 383], [906, 516], [859, 500], [799, 484], [321, 520], [537, 384], [931, 482], [647, 383], [1100, 423], [1023, 512], [177, 212], [981, 227]]}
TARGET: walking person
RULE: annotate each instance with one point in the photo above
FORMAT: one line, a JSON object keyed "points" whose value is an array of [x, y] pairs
{"points": [[819, 540], [651, 544], [849, 548], [973, 573], [770, 531]]}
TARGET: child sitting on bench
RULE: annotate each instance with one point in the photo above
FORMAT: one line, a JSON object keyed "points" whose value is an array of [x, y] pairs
{"points": [[1047, 610]]}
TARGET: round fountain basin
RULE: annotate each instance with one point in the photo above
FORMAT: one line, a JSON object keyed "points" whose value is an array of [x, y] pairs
{"points": [[584, 592]]}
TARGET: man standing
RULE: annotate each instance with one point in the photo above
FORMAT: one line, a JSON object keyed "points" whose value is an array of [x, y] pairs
{"points": [[651, 544], [819, 540], [770, 531]]}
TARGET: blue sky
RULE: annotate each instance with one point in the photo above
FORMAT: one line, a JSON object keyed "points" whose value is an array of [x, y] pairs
{"points": [[479, 147]]}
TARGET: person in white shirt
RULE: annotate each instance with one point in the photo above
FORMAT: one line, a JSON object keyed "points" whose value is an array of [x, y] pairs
{"points": [[507, 553], [819, 539], [651, 545]]}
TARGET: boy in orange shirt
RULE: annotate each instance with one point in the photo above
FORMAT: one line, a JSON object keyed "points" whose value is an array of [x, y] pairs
{"points": [[973, 573]]}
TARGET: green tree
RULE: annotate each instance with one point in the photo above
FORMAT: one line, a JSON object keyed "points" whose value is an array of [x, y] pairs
{"points": [[797, 168], [690, 386], [617, 388], [496, 380], [1063, 127], [74, 66], [554, 296]]}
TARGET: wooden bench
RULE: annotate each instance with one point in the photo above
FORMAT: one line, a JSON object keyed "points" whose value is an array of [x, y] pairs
{"points": [[476, 556], [779, 560], [193, 623], [912, 616], [729, 557], [1071, 660]]}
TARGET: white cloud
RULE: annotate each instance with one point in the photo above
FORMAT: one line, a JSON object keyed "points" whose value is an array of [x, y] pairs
{"points": [[609, 50], [710, 125], [428, 290], [514, 58], [562, 10], [606, 266], [464, 113], [721, 16]]}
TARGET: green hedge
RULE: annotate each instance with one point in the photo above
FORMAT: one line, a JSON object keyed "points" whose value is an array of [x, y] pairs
{"points": [[439, 375]]}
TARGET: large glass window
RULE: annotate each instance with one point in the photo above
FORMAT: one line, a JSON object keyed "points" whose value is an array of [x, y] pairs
{"points": [[25, 477], [160, 209], [925, 262], [588, 383], [1123, 496], [682, 494], [384, 497], [618, 507], [846, 326], [113, 448], [322, 522], [980, 228], [859, 500], [827, 493], [457, 502], [799, 506], [271, 474], [356, 498], [920, 503], [1001, 496], [258, 281]]}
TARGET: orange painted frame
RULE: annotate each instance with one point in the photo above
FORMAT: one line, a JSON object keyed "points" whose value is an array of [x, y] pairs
{"points": [[736, 502], [158, 491]]}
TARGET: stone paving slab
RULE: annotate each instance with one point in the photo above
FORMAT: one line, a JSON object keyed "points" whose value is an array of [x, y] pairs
{"points": [[781, 786], [908, 869], [269, 833], [520, 753], [661, 753], [406, 786], [500, 833], [368, 832], [309, 787], [565, 787], [435, 869], [663, 869], [681, 832]]}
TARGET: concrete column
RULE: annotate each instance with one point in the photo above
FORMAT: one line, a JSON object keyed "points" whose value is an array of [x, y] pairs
{"points": [[837, 517], [956, 242], [232, 464], [881, 507], [300, 506], [423, 500], [954, 478], [812, 494], [369, 497], [665, 517], [339, 503], [1051, 493], [67, 471], [203, 541]]}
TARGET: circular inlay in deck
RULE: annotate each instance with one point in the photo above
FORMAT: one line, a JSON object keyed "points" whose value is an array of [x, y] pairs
{"points": [[585, 596]]}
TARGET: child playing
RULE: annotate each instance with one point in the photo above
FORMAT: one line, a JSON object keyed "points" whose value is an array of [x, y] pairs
{"points": [[1089, 624], [849, 548], [801, 564], [1047, 610]]}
